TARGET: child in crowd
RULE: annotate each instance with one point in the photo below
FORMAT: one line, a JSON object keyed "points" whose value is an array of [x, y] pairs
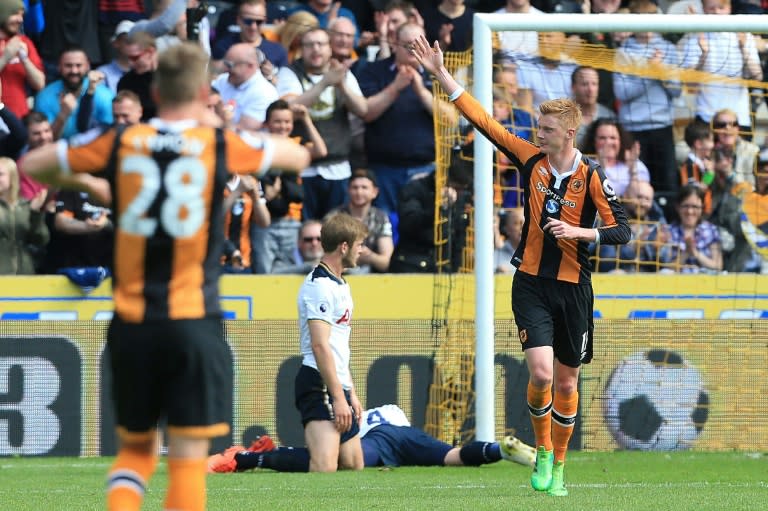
{"points": [[275, 245], [698, 168]]}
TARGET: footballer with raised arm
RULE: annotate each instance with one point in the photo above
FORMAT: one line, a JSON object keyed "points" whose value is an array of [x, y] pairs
{"points": [[552, 297]]}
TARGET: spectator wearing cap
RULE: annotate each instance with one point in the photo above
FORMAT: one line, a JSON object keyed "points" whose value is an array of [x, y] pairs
{"points": [[251, 16], [21, 67], [244, 86], [121, 64], [378, 246]]}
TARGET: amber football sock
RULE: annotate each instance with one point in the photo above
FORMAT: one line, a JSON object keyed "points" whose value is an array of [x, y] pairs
{"points": [[563, 420], [186, 484], [540, 407], [127, 479]]}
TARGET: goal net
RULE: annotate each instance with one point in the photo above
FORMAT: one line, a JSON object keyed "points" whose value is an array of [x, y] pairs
{"points": [[654, 76]]}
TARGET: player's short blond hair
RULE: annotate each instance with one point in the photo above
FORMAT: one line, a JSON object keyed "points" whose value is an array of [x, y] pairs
{"points": [[566, 110], [181, 72]]}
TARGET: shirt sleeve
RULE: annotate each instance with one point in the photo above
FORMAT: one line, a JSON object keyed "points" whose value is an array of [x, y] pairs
{"points": [[248, 153], [616, 230], [288, 83], [318, 302]]}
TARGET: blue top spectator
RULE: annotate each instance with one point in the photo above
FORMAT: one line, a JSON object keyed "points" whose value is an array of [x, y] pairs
{"points": [[326, 10], [60, 100]]}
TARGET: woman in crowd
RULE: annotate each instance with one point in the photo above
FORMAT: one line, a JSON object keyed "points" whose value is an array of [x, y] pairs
{"points": [[617, 152], [22, 224], [290, 31], [696, 241]]}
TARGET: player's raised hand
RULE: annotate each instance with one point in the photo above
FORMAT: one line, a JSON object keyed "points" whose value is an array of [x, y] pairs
{"points": [[430, 57]]}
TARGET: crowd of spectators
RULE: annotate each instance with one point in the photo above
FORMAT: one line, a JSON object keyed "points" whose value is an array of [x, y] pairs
{"points": [[339, 78]]}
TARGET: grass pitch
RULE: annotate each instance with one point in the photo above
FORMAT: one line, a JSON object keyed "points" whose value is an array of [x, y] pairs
{"points": [[678, 481]]}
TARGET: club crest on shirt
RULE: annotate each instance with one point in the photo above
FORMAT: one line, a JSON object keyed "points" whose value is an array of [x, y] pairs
{"points": [[577, 185]]}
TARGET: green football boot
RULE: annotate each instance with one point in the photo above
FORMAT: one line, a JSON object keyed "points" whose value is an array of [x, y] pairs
{"points": [[558, 488], [541, 479]]}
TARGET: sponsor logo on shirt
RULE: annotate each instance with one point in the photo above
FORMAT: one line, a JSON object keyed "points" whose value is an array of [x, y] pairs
{"points": [[554, 196], [344, 319]]}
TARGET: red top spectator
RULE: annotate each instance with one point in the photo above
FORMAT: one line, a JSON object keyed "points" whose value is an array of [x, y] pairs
{"points": [[20, 64]]}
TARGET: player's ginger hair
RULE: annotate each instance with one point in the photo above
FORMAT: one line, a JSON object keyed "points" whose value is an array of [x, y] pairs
{"points": [[567, 111]]}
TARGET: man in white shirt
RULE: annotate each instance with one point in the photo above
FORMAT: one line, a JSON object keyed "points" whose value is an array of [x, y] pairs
{"points": [[727, 54], [519, 45], [244, 86]]}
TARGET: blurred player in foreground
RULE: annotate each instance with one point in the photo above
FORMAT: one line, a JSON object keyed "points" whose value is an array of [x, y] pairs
{"points": [[166, 344], [388, 439], [552, 296]]}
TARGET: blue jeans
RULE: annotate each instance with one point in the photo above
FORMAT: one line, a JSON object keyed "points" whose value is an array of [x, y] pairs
{"points": [[322, 195], [391, 179]]}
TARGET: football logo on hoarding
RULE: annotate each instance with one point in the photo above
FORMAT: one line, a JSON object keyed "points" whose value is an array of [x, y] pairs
{"points": [[655, 400]]}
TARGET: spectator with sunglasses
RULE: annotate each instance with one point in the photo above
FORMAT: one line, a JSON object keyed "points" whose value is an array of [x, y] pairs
{"points": [[251, 17], [309, 250], [728, 139], [142, 54], [244, 87]]}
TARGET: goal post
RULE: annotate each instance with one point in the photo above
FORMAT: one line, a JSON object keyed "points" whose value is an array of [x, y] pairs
{"points": [[483, 26]]}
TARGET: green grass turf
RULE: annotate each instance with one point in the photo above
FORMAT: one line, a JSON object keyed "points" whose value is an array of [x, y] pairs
{"points": [[679, 481]]}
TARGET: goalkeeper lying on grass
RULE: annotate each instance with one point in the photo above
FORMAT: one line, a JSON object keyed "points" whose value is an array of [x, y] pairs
{"points": [[388, 439]]}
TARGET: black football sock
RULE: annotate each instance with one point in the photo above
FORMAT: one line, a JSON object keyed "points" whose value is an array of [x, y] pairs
{"points": [[475, 454], [282, 459]]}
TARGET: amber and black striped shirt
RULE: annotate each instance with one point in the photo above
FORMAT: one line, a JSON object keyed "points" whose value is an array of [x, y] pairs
{"points": [[575, 199], [167, 183]]}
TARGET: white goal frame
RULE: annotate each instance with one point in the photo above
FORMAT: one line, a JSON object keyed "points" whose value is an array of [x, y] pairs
{"points": [[483, 25]]}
